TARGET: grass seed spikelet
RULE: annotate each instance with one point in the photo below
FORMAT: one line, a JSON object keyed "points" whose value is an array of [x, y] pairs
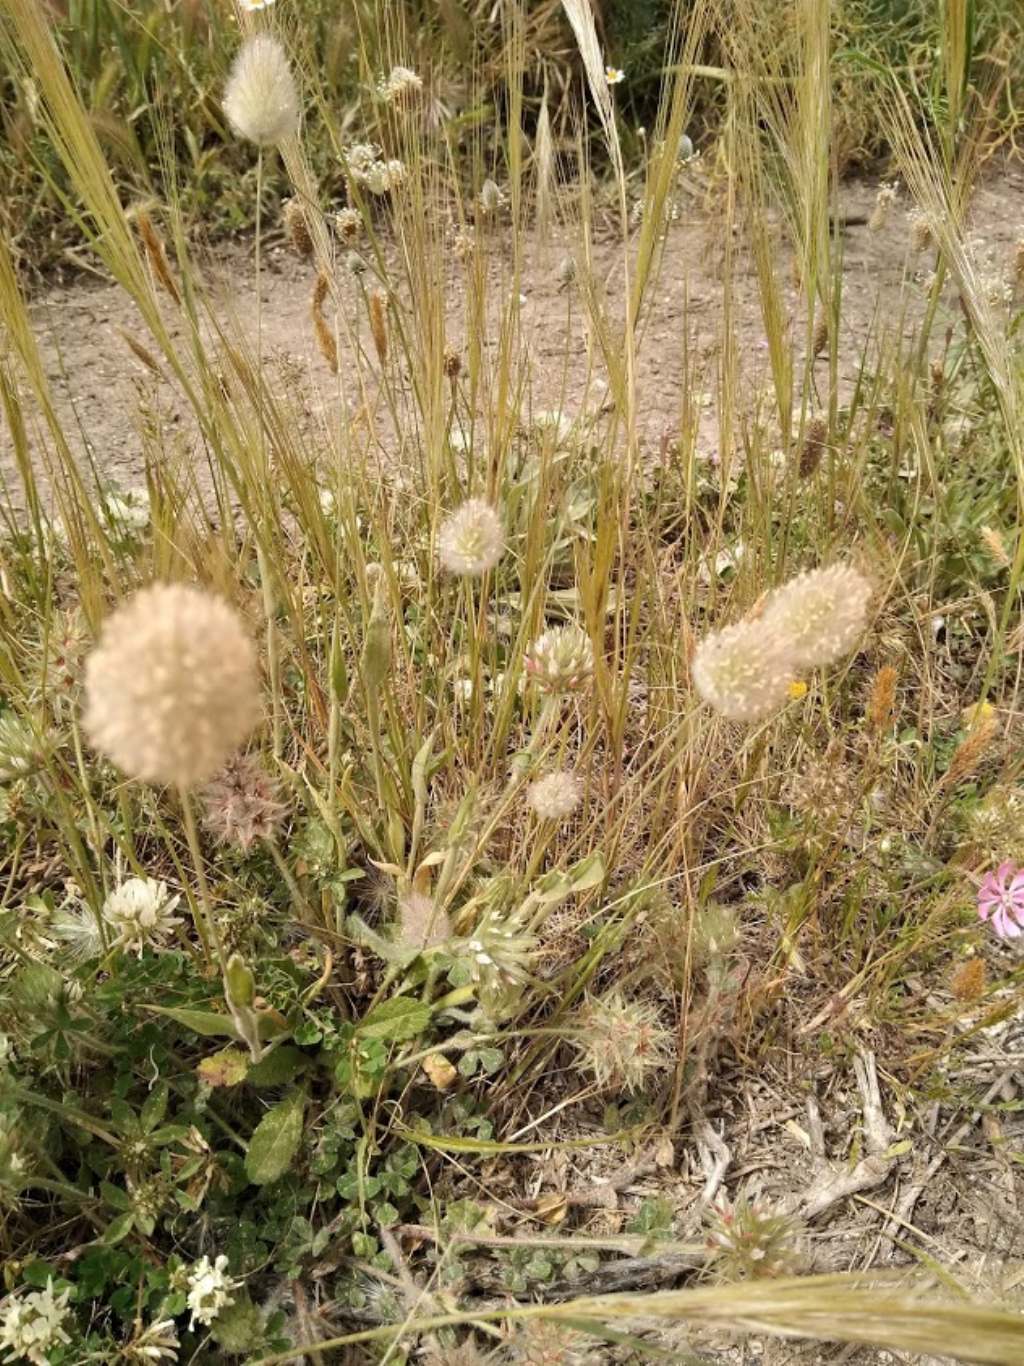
{"points": [[471, 539], [172, 688], [819, 615], [261, 100]]}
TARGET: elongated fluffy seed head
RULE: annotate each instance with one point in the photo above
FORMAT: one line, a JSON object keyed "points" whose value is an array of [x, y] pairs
{"points": [[820, 615], [472, 539], [260, 99], [743, 671], [172, 688]]}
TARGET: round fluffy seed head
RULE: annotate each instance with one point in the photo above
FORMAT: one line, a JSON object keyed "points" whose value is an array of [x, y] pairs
{"points": [[819, 615], [472, 539], [260, 99], [561, 660], [172, 687], [555, 796], [742, 671]]}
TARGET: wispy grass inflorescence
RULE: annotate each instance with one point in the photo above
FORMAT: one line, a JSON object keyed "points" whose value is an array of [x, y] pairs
{"points": [[261, 100], [172, 687]]}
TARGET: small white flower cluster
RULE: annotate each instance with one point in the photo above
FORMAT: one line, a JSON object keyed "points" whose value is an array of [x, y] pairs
{"points": [[746, 671], [366, 166], [472, 539], [141, 914], [32, 1325], [402, 84], [130, 510], [209, 1289]]}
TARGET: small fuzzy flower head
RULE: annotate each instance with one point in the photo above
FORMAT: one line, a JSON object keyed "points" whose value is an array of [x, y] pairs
{"points": [[20, 751], [748, 1241], [260, 99], [742, 671], [141, 914], [1001, 901], [157, 1341], [400, 87], [209, 1289], [172, 689], [349, 224], [240, 806], [472, 539], [819, 615], [31, 1326], [497, 956], [561, 660], [491, 197], [555, 796], [613, 75], [543, 1342], [621, 1042], [422, 924]]}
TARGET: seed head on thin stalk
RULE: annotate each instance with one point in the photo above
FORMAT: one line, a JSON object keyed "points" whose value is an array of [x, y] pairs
{"points": [[743, 671], [172, 688], [260, 99], [472, 539], [555, 796]]}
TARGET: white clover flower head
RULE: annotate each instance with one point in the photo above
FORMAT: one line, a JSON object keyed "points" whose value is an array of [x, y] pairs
{"points": [[395, 174], [472, 538], [820, 614], [172, 687], [400, 85], [743, 671], [31, 1326], [366, 165], [561, 660], [555, 796], [141, 913], [129, 510], [261, 100], [209, 1289]]}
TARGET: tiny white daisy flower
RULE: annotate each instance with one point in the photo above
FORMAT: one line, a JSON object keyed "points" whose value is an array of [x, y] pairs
{"points": [[613, 75]]}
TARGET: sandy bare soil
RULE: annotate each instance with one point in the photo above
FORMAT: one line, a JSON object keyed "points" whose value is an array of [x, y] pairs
{"points": [[97, 383]]}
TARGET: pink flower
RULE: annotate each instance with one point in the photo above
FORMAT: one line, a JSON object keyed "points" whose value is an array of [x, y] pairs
{"points": [[1001, 898]]}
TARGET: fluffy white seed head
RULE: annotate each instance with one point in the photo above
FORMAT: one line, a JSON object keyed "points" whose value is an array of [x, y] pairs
{"points": [[472, 539], [172, 688], [743, 671], [820, 614], [260, 99], [561, 660], [555, 796]]}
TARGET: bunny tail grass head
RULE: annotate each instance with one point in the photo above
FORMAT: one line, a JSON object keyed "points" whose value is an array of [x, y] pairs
{"points": [[261, 100]]}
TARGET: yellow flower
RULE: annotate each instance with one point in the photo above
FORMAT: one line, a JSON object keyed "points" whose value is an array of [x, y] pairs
{"points": [[797, 689], [613, 75]]}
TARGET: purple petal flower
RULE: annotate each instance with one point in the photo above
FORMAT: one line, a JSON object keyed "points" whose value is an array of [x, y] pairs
{"points": [[1001, 900]]}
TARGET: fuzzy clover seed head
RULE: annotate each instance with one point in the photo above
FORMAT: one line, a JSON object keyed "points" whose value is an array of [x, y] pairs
{"points": [[172, 687], [820, 614], [260, 99], [472, 539], [743, 671], [555, 796]]}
